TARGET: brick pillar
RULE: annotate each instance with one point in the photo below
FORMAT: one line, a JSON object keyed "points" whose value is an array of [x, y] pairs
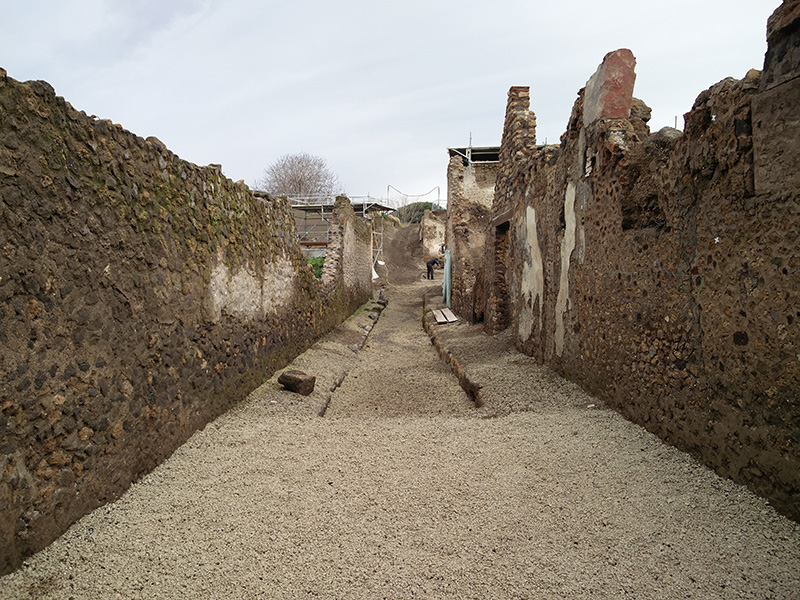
{"points": [[519, 129]]}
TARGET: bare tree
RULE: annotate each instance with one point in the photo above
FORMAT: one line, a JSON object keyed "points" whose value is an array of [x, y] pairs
{"points": [[299, 175]]}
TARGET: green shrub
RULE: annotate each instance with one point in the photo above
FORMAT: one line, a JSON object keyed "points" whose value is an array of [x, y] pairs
{"points": [[316, 264]]}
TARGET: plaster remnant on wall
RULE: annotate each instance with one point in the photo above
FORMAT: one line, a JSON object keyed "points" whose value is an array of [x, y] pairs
{"points": [[617, 140], [245, 294], [583, 199], [567, 246], [532, 284], [609, 92]]}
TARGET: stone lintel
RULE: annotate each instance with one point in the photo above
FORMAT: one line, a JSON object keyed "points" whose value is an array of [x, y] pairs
{"points": [[504, 217]]}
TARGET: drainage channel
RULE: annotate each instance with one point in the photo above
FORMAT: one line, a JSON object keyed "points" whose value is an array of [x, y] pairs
{"points": [[471, 389], [377, 310]]}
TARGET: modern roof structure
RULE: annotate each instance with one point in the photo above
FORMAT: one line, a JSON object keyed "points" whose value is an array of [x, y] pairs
{"points": [[362, 207], [477, 154]]}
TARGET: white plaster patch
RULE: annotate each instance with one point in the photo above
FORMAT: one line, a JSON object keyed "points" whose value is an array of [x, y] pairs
{"points": [[244, 294], [532, 284], [567, 246]]}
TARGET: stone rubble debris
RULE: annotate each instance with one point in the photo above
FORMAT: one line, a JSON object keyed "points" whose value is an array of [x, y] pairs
{"points": [[297, 381]]}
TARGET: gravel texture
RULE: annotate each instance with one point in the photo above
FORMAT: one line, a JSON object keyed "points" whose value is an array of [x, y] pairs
{"points": [[405, 489]]}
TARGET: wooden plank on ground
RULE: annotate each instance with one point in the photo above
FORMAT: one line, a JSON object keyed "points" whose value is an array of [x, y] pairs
{"points": [[448, 314], [439, 316]]}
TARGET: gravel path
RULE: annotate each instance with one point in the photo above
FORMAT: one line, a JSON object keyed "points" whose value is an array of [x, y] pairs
{"points": [[399, 373], [404, 489]]}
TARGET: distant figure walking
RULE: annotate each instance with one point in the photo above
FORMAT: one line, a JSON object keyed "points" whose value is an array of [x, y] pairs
{"points": [[429, 264]]}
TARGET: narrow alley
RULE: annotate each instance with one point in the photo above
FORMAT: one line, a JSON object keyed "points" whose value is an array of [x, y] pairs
{"points": [[406, 489]]}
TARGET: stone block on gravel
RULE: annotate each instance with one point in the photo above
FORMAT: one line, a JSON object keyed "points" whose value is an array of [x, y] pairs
{"points": [[297, 381]]}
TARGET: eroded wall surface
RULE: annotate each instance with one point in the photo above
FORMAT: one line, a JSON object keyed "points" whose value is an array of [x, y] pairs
{"points": [[660, 270], [140, 297], [352, 265], [470, 191]]}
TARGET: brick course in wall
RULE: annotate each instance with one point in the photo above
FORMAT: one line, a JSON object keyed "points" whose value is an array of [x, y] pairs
{"points": [[140, 297]]}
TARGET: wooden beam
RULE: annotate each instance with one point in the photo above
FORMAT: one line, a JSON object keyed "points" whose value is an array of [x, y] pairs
{"points": [[502, 218], [448, 314]]}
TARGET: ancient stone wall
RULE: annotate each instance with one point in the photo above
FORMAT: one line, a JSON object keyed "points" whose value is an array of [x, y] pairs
{"points": [[516, 148], [355, 270], [140, 297], [470, 191], [660, 270]]}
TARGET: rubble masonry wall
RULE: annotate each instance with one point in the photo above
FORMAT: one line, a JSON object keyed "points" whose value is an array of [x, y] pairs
{"points": [[660, 271], [140, 297]]}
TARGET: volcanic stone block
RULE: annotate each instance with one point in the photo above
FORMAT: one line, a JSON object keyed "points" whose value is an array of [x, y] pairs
{"points": [[297, 381]]}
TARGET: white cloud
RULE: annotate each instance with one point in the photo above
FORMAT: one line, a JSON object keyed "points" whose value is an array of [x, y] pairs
{"points": [[378, 89]]}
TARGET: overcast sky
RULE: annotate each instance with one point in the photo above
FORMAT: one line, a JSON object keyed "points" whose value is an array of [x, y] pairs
{"points": [[379, 89]]}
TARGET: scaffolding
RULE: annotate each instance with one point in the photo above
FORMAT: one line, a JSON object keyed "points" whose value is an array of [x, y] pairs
{"points": [[476, 155], [377, 246], [313, 216]]}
